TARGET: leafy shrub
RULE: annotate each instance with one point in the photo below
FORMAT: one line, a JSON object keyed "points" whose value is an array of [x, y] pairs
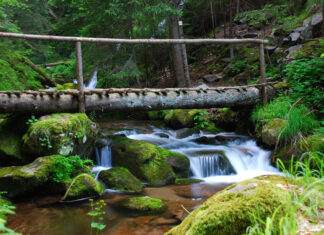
{"points": [[201, 119], [300, 120], [306, 77], [65, 168], [5, 208], [239, 66]]}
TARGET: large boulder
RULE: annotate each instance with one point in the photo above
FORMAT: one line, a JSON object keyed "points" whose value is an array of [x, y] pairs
{"points": [[10, 149], [145, 205], [179, 118], [64, 134], [21, 180], [119, 178], [230, 211], [271, 131], [148, 162], [83, 186]]}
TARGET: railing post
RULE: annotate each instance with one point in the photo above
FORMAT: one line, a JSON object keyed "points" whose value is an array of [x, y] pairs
{"points": [[81, 99], [263, 74]]}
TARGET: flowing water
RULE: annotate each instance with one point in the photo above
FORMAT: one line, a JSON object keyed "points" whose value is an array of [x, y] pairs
{"points": [[218, 159], [93, 81]]}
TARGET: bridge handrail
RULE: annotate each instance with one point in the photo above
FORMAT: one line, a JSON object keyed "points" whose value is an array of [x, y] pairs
{"points": [[79, 66]]}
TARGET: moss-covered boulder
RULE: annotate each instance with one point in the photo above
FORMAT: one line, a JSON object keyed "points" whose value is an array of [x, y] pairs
{"points": [[119, 178], [180, 165], [21, 180], [224, 118], [66, 86], [312, 143], [146, 161], [271, 131], [83, 186], [63, 134], [144, 205], [229, 211], [179, 118]]}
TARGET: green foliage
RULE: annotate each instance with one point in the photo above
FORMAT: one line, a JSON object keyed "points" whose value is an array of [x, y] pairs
{"points": [[65, 168], [201, 120], [6, 209], [96, 213], [300, 121], [306, 77], [239, 66], [31, 120]]}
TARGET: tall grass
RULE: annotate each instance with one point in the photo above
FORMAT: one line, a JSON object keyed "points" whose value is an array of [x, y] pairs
{"points": [[306, 182], [300, 120]]}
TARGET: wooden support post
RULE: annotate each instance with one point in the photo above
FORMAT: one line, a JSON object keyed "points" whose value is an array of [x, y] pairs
{"points": [[263, 74], [81, 106]]}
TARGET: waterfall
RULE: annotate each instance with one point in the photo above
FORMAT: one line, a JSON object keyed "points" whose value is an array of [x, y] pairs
{"points": [[103, 159], [93, 81], [230, 160]]}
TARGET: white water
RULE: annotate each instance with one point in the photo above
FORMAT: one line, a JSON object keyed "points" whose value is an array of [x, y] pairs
{"points": [[244, 159], [93, 81], [103, 160]]}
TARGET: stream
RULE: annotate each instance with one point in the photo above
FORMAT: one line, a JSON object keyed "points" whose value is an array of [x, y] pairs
{"points": [[219, 159]]}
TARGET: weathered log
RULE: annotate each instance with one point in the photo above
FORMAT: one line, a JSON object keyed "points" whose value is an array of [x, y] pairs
{"points": [[131, 41], [148, 100]]}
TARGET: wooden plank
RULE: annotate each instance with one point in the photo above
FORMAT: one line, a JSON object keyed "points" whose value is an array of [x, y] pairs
{"points": [[132, 41]]}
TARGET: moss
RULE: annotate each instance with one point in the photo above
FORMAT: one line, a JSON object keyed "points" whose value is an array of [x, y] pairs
{"points": [[10, 149], [230, 211], [59, 134], [181, 117], [146, 161], [186, 181], [224, 118], [271, 131], [119, 178], [313, 143], [146, 205], [83, 186], [66, 86], [21, 180]]}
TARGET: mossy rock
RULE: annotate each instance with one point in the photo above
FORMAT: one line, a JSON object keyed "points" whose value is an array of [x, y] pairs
{"points": [[312, 143], [180, 164], [224, 118], [22, 180], [119, 178], [64, 134], [10, 149], [271, 131], [66, 86], [157, 115], [83, 186], [229, 211], [146, 161], [179, 118], [186, 181], [143, 205]]}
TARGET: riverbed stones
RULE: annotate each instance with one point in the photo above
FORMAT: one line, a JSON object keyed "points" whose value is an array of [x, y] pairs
{"points": [[64, 134], [227, 212], [146, 161], [83, 186], [22, 180], [143, 205], [119, 178]]}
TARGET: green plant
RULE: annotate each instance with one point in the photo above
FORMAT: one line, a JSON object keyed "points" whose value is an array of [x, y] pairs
{"points": [[31, 120], [65, 168], [239, 66], [45, 142], [6, 208], [96, 214], [300, 120], [200, 119], [306, 79]]}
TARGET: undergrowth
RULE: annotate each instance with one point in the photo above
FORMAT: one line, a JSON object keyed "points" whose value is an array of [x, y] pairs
{"points": [[6, 208], [65, 168], [300, 120]]}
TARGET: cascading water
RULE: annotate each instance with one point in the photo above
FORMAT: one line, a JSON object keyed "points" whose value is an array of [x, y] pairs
{"points": [[103, 159], [93, 81], [223, 157]]}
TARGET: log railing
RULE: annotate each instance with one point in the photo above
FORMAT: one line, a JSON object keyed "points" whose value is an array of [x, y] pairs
{"points": [[79, 40]]}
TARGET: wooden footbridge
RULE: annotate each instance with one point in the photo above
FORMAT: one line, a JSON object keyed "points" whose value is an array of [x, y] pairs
{"points": [[50, 101]]}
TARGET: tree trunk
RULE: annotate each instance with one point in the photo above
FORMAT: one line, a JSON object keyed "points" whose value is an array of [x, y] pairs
{"points": [[184, 58], [212, 17], [231, 30], [176, 49], [129, 99]]}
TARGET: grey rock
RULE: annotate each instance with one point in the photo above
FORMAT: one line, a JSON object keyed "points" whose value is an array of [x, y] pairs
{"points": [[270, 49], [295, 36], [317, 19], [213, 77], [295, 48]]}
